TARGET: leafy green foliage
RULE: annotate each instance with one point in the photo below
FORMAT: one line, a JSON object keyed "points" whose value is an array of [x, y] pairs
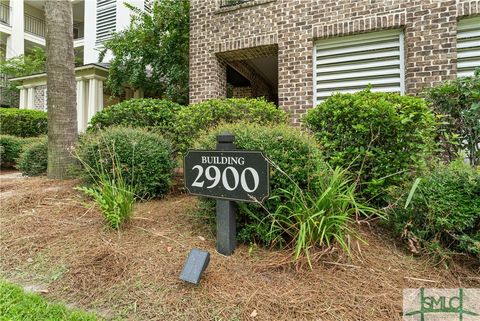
{"points": [[294, 152], [319, 216], [459, 101], [192, 119], [379, 137], [111, 192], [158, 115], [23, 122], [145, 158], [444, 211], [152, 53], [22, 65], [11, 148], [15, 305], [34, 158]]}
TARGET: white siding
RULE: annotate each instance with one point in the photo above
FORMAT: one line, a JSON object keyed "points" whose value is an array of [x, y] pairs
{"points": [[349, 64], [468, 46], [106, 19]]}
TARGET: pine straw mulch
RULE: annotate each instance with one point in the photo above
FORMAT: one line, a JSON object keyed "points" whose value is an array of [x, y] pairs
{"points": [[52, 236]]}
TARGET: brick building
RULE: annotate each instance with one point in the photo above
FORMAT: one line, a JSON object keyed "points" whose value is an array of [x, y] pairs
{"points": [[298, 52]]}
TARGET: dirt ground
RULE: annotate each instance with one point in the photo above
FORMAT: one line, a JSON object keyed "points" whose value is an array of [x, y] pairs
{"points": [[53, 240]]}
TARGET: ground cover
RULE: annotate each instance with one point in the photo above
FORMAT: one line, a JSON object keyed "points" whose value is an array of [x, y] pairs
{"points": [[54, 239]]}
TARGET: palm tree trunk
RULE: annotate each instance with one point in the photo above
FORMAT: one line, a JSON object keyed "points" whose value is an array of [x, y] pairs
{"points": [[61, 87]]}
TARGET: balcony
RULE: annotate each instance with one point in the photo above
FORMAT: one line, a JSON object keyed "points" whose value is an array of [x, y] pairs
{"points": [[4, 14], [34, 26]]}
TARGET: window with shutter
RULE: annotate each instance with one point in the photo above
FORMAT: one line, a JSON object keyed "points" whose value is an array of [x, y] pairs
{"points": [[349, 64], [106, 19], [468, 46]]}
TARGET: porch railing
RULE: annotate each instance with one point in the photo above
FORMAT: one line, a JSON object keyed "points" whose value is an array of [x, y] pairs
{"points": [[4, 14], [228, 3], [35, 25]]}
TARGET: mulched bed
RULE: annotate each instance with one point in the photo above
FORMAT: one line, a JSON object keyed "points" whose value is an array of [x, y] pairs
{"points": [[51, 235]]}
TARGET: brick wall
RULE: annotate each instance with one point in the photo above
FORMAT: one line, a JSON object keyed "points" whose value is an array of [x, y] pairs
{"points": [[289, 28]]}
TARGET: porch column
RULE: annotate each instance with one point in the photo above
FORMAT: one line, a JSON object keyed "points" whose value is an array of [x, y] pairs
{"points": [[23, 97], [95, 96], [138, 93], [81, 106], [30, 98]]}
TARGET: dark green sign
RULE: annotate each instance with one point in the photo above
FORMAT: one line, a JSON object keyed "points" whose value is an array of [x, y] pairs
{"points": [[232, 175]]}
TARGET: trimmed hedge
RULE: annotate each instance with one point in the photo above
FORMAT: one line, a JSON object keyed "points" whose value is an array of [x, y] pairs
{"points": [[23, 122], [33, 160], [154, 114], [444, 212], [380, 137], [145, 158], [11, 148], [192, 119], [293, 151]]}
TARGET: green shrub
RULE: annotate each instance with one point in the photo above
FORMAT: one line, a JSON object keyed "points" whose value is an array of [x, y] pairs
{"points": [[442, 211], [459, 101], [145, 158], [154, 114], [294, 152], [11, 148], [191, 120], [380, 137], [23, 122], [111, 192], [33, 159]]}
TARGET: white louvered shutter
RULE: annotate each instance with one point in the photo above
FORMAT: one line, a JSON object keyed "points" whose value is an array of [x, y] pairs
{"points": [[349, 64], [147, 5], [106, 19], [468, 46]]}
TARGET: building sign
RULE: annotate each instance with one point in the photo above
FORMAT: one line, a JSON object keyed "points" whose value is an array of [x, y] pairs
{"points": [[232, 175]]}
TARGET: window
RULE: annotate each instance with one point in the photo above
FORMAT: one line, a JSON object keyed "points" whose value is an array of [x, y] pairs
{"points": [[106, 19], [468, 46], [349, 64]]}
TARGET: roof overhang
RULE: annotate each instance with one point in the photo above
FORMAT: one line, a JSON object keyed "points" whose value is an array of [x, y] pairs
{"points": [[77, 71]]}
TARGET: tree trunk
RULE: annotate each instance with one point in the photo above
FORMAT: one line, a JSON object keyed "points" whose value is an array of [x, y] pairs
{"points": [[61, 87]]}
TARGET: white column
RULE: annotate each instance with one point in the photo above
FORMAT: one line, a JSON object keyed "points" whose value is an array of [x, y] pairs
{"points": [[23, 98], [81, 106], [99, 95], [30, 98], [138, 93], [15, 42], [90, 54], [92, 98]]}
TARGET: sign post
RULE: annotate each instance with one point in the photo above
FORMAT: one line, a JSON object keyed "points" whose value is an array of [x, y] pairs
{"points": [[228, 175], [226, 210]]}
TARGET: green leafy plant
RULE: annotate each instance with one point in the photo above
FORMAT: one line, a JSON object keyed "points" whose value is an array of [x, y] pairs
{"points": [[109, 189], [23, 122], [319, 216], [11, 148], [192, 119], [23, 65], [441, 211], [155, 114], [380, 137], [292, 150], [152, 53], [145, 158], [33, 160], [459, 101]]}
